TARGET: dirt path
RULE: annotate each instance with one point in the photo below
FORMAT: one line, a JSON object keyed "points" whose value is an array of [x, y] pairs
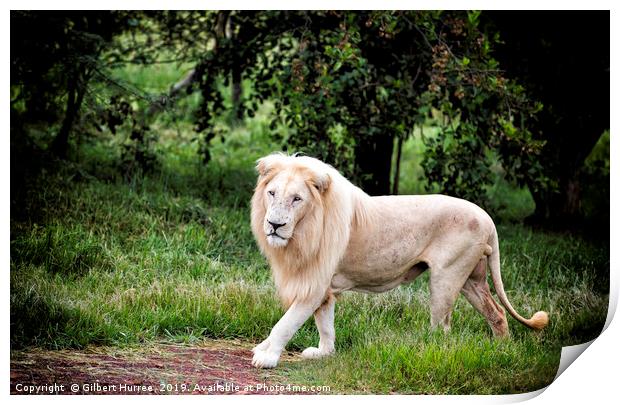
{"points": [[213, 367]]}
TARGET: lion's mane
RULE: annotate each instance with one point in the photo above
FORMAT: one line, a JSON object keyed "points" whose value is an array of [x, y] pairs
{"points": [[305, 267]]}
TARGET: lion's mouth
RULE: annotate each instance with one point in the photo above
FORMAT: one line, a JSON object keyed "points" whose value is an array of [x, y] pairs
{"points": [[276, 241]]}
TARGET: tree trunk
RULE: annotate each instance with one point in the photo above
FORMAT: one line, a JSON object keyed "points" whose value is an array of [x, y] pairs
{"points": [[236, 90], [75, 95], [399, 149], [373, 157]]}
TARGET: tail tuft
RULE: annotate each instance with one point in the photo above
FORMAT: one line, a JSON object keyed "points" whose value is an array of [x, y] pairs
{"points": [[539, 320]]}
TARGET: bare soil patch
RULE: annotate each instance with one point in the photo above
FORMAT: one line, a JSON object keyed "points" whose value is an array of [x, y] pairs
{"points": [[213, 367]]}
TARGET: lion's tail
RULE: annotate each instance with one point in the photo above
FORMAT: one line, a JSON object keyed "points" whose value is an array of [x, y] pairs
{"points": [[540, 319]]}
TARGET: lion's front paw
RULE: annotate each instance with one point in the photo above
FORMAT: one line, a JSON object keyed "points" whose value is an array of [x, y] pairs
{"points": [[261, 347], [265, 359], [314, 353]]}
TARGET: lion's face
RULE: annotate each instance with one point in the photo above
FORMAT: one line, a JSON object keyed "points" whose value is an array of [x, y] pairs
{"points": [[288, 204], [287, 199]]}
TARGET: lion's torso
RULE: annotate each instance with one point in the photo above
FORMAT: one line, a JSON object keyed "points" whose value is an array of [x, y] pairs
{"points": [[402, 232]]}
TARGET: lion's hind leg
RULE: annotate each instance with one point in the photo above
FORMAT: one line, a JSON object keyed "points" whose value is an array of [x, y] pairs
{"points": [[324, 319], [443, 296], [446, 282], [477, 292]]}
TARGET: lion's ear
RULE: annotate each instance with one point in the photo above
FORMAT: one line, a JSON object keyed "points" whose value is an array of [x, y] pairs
{"points": [[267, 164], [321, 181]]}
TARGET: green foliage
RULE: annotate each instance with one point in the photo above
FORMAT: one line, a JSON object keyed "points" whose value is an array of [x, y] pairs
{"points": [[349, 83], [352, 74], [339, 85], [46, 50], [595, 177], [124, 120], [56, 63], [480, 113]]}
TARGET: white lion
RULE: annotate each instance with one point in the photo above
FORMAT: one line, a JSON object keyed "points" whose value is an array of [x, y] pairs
{"points": [[322, 236]]}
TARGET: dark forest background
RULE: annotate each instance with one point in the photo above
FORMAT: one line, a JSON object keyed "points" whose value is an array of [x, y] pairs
{"points": [[347, 87]]}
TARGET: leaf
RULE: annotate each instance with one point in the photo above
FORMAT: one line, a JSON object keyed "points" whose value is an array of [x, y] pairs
{"points": [[473, 17]]}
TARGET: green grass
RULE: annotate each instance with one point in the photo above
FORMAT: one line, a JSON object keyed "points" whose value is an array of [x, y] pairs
{"points": [[98, 259], [171, 255]]}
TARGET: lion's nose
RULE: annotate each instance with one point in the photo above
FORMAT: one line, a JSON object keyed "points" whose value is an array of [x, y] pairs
{"points": [[275, 226]]}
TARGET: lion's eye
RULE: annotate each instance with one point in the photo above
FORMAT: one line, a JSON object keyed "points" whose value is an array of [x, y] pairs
{"points": [[296, 198], [271, 193]]}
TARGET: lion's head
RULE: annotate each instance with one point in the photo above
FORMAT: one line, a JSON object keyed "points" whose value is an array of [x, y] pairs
{"points": [[302, 214], [288, 198]]}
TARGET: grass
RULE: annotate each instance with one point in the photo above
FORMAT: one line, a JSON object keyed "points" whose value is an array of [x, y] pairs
{"points": [[100, 260], [171, 255]]}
